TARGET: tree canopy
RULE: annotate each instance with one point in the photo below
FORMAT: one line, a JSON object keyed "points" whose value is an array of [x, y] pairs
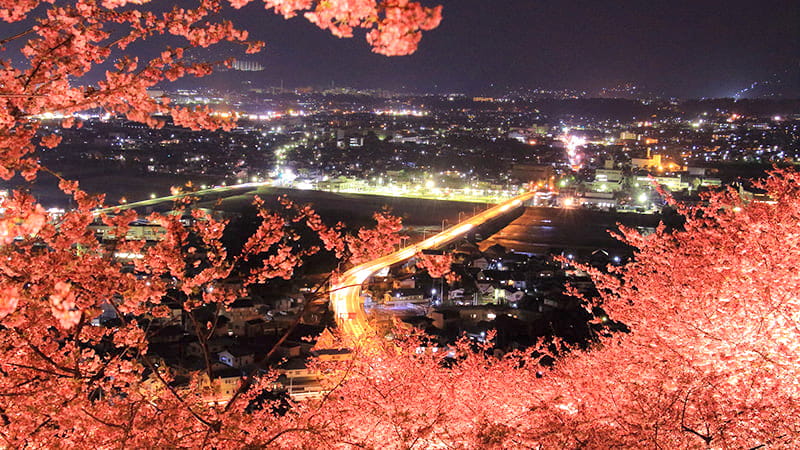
{"points": [[713, 310]]}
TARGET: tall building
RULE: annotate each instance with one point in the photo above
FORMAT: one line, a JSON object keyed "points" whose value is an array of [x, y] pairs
{"points": [[246, 66]]}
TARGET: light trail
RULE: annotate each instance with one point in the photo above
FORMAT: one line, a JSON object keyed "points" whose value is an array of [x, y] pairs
{"points": [[346, 293]]}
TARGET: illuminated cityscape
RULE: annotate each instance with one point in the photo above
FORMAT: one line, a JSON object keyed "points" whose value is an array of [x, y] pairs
{"points": [[477, 225], [442, 147], [605, 165]]}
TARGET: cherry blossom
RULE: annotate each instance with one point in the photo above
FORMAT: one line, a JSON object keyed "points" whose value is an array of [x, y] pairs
{"points": [[66, 382], [437, 266], [369, 244], [708, 359]]}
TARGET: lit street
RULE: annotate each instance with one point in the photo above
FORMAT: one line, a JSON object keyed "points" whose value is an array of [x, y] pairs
{"points": [[346, 294]]}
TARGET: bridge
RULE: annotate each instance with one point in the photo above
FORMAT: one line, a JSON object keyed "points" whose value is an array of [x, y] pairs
{"points": [[346, 292]]}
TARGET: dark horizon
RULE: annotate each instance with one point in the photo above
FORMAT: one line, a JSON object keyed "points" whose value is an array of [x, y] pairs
{"points": [[704, 48], [684, 49]]}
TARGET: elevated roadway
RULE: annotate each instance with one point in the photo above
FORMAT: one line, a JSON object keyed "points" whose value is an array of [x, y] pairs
{"points": [[346, 292]]}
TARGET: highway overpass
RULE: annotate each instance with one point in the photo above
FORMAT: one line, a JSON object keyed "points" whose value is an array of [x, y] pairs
{"points": [[345, 294]]}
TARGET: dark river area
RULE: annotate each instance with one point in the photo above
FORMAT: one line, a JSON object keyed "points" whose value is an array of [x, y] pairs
{"points": [[536, 231], [580, 231]]}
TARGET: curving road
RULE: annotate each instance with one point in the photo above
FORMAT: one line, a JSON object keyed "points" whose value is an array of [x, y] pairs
{"points": [[346, 293]]}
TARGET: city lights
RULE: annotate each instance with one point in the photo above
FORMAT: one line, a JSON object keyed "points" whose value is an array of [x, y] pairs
{"points": [[555, 226]]}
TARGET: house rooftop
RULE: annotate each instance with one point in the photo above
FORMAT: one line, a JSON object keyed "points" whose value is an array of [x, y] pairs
{"points": [[295, 364], [239, 351], [227, 372]]}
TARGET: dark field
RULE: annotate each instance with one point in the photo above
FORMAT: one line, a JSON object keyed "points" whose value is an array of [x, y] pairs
{"points": [[353, 208]]}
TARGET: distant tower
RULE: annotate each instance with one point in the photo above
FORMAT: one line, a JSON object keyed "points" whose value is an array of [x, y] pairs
{"points": [[246, 66]]}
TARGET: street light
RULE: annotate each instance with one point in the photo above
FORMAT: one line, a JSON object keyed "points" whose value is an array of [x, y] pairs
{"points": [[444, 222]]}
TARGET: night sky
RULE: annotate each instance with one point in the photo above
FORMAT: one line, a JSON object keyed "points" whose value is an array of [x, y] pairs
{"points": [[678, 47]]}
